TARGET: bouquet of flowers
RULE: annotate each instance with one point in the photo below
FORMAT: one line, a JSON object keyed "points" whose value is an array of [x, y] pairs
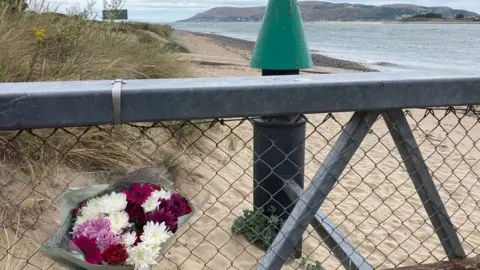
{"points": [[128, 224]]}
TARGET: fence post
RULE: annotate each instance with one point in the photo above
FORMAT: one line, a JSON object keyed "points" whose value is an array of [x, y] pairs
{"points": [[279, 149]]}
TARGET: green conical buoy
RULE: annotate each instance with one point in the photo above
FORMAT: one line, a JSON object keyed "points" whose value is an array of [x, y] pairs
{"points": [[281, 44]]}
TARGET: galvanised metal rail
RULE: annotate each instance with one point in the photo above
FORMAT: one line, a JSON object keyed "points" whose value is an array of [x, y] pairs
{"points": [[82, 103]]}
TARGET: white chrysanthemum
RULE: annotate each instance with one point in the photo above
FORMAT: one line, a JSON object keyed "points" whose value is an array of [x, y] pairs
{"points": [[118, 221], [93, 208], [155, 233], [153, 201], [113, 202], [150, 204], [129, 238], [141, 256], [162, 194], [90, 211]]}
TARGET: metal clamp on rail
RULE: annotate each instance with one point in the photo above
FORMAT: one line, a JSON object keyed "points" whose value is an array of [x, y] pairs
{"points": [[116, 100]]}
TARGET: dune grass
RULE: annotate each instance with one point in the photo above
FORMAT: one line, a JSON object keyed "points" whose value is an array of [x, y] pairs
{"points": [[162, 30], [47, 46]]}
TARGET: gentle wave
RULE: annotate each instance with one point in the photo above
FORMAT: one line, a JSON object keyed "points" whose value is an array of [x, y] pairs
{"points": [[388, 64]]}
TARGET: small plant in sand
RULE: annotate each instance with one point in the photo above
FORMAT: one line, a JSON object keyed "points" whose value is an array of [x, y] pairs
{"points": [[259, 228], [305, 265]]}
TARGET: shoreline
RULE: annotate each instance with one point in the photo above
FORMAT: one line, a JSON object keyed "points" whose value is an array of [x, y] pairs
{"points": [[430, 22], [360, 21], [318, 60]]}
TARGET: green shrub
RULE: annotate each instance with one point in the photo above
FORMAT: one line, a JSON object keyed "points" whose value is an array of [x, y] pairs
{"points": [[259, 228], [176, 47], [304, 265]]}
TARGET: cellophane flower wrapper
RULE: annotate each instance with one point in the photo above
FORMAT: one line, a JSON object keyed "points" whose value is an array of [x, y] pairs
{"points": [[58, 247]]}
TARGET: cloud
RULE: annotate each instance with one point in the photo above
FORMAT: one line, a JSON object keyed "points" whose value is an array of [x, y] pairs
{"points": [[171, 10]]}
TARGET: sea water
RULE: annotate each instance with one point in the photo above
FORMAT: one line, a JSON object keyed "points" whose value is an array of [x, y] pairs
{"points": [[385, 46]]}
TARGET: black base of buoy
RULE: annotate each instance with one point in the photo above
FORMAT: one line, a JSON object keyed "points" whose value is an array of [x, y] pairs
{"points": [[279, 154]]}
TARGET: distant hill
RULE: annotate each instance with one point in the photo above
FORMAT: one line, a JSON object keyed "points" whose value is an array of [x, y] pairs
{"points": [[324, 11]]}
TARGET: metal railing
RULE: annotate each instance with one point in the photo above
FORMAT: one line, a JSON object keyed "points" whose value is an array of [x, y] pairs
{"points": [[378, 194]]}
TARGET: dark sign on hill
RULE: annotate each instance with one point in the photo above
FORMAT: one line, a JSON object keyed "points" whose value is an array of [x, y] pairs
{"points": [[119, 14]]}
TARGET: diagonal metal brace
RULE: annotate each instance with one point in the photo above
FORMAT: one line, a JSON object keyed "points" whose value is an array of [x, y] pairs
{"points": [[417, 169], [336, 241], [310, 201]]}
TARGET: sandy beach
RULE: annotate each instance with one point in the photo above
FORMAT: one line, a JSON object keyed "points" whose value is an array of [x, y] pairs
{"points": [[220, 56], [375, 203]]}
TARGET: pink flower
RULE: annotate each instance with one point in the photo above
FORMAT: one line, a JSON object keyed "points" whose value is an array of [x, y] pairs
{"points": [[139, 193], [88, 247], [91, 228], [105, 239]]}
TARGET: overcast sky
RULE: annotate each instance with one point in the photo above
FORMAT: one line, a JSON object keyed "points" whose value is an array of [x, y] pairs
{"points": [[171, 10]]}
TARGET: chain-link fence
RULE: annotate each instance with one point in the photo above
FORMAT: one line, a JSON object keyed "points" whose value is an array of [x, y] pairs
{"points": [[374, 204]]}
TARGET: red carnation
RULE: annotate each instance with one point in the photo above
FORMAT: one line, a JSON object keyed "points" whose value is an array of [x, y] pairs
{"points": [[135, 212], [88, 247], [179, 205], [164, 215], [139, 193], [115, 254]]}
